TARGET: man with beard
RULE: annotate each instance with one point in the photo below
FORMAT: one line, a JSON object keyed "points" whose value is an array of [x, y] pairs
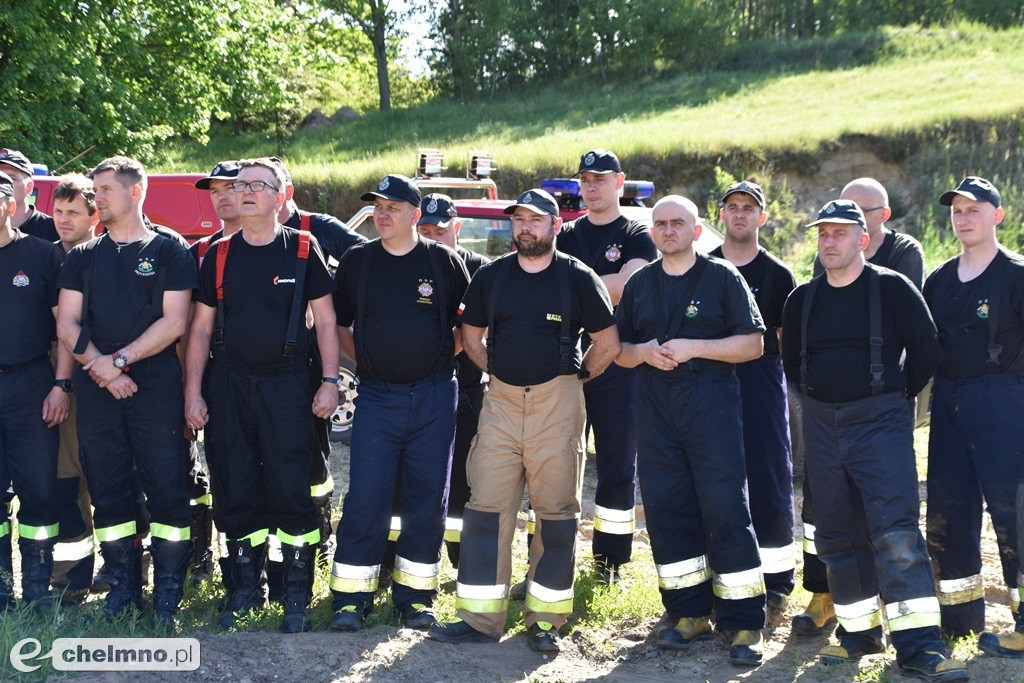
{"points": [[533, 305]]}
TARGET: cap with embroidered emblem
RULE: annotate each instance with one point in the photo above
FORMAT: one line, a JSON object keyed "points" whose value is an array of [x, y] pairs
{"points": [[16, 160], [537, 201], [746, 187], [975, 188], [225, 170], [599, 161], [395, 188], [437, 209], [840, 211]]}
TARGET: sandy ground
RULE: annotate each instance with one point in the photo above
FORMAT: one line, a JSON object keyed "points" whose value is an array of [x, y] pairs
{"points": [[617, 653]]}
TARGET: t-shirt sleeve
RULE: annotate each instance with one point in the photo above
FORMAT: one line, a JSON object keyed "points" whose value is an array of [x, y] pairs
{"points": [[318, 277], [742, 315], [639, 244], [334, 236], [472, 311], [181, 269], [71, 272], [54, 259], [346, 280], [785, 283], [910, 262], [791, 335], [628, 333], [595, 303], [207, 292], [916, 330], [459, 281]]}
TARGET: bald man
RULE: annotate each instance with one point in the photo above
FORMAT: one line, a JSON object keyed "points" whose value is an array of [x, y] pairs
{"points": [[685, 321]]}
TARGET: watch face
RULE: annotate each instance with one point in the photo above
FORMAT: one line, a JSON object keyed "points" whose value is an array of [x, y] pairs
{"points": [[120, 361]]}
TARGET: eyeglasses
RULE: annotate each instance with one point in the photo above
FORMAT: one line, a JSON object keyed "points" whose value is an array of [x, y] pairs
{"points": [[252, 186], [873, 208]]}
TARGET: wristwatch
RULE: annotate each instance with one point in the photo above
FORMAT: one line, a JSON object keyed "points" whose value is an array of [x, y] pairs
{"points": [[583, 373], [65, 384], [330, 380], [120, 361]]}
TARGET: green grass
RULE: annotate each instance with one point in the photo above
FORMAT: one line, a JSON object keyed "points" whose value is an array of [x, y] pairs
{"points": [[903, 79]]}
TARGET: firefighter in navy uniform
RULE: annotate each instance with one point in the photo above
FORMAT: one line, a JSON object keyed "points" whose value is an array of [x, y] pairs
{"points": [[857, 342], [534, 306], [976, 442], [334, 238], [401, 293], [766, 444], [254, 401], [888, 249], [32, 403], [26, 219], [124, 303], [615, 247], [685, 320]]}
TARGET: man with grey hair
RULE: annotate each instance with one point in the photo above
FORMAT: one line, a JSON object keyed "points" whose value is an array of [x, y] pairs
{"points": [[256, 399], [686, 320], [124, 302], [858, 342]]}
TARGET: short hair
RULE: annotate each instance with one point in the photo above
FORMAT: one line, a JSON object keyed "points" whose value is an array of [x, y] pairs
{"points": [[75, 185], [269, 164], [128, 171]]}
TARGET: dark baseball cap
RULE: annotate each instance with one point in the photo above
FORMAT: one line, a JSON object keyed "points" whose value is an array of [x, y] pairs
{"points": [[599, 161], [15, 159], [746, 187], [6, 185], [841, 211], [437, 209], [225, 170], [973, 187], [537, 201], [284, 169], [396, 188]]}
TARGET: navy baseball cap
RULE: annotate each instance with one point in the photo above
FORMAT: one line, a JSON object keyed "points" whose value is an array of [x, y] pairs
{"points": [[599, 161], [746, 187], [537, 201], [225, 170], [396, 188], [16, 160], [973, 187], [437, 209], [6, 185], [841, 211]]}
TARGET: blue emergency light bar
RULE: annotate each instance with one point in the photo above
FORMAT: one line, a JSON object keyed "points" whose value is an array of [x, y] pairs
{"points": [[40, 169], [638, 189], [561, 187]]}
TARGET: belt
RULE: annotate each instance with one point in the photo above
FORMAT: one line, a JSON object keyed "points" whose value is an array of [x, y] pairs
{"points": [[8, 369]]}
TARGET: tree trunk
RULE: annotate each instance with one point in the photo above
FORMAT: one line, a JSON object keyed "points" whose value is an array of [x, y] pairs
{"points": [[380, 52]]}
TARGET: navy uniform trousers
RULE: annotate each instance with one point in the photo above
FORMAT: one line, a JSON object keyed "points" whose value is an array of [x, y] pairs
{"points": [[975, 457], [769, 467], [611, 416], [693, 481], [860, 456], [412, 424]]}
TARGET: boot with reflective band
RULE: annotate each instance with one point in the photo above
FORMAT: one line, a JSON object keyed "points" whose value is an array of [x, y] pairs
{"points": [[820, 613], [248, 590], [687, 630]]}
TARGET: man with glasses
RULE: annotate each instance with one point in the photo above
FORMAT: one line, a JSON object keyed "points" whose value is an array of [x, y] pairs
{"points": [[257, 401]]}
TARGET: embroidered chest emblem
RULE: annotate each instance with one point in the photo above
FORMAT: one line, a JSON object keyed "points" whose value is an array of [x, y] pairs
{"points": [[20, 280], [425, 290], [692, 310], [145, 267], [983, 309], [613, 253]]}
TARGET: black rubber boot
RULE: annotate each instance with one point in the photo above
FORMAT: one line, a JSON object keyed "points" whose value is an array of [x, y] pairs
{"points": [[201, 524], [248, 590], [123, 564], [298, 588], [6, 573], [170, 564], [36, 569]]}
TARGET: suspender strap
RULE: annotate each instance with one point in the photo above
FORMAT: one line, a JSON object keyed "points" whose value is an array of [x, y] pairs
{"points": [[665, 328], [304, 220], [995, 298], [85, 335], [566, 366], [222, 258], [503, 267], [875, 325], [298, 311], [440, 287], [362, 359], [805, 315]]}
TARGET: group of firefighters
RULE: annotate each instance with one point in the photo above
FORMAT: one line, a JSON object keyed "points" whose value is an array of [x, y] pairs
{"points": [[479, 379]]}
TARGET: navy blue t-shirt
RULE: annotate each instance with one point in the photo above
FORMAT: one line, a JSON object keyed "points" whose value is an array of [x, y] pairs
{"points": [[29, 268], [38, 224], [331, 233], [606, 248], [769, 303]]}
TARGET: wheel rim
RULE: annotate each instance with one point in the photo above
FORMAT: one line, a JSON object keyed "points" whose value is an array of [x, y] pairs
{"points": [[348, 385]]}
